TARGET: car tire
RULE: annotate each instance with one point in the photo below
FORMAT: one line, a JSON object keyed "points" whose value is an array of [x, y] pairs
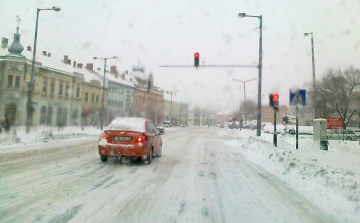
{"points": [[149, 158], [158, 154], [103, 158], [348, 138]]}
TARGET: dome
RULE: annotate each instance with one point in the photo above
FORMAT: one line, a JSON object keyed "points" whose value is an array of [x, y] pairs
{"points": [[16, 47]]}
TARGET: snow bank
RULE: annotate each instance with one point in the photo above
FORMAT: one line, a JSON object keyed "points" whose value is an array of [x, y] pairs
{"points": [[44, 134], [330, 179]]}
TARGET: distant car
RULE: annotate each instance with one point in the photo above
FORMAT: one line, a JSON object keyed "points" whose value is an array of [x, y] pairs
{"points": [[222, 126], [130, 137], [347, 134], [161, 129]]}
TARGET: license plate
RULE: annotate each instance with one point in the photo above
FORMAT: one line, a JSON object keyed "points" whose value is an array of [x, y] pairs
{"points": [[122, 138]]}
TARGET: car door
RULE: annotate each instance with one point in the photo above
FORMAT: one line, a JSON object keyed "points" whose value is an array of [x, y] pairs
{"points": [[155, 139]]}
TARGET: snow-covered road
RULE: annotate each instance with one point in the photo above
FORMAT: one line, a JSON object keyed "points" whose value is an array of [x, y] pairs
{"points": [[197, 179]]}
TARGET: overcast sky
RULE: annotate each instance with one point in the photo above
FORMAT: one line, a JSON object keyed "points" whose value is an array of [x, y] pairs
{"points": [[160, 32]]}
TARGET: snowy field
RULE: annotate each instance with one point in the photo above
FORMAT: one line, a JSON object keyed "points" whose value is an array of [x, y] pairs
{"points": [[330, 179]]}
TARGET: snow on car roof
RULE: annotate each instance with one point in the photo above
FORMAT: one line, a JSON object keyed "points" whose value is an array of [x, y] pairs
{"points": [[128, 124]]}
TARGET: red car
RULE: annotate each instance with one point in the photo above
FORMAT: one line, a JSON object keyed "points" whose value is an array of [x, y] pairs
{"points": [[130, 137]]}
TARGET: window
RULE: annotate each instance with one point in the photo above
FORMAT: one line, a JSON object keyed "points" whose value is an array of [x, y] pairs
{"points": [[10, 81], [17, 82], [60, 89], [108, 102], [52, 88], [121, 104], [86, 97], [44, 87], [77, 92], [67, 90], [92, 98], [97, 99]]}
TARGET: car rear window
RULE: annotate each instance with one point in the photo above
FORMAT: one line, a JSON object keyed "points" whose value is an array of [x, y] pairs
{"points": [[137, 124]]}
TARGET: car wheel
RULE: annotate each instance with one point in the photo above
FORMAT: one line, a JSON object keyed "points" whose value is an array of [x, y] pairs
{"points": [[158, 154], [103, 158], [149, 158], [349, 138]]}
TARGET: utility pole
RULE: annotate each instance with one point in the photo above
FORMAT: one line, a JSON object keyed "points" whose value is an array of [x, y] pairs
{"points": [[171, 93], [244, 82]]}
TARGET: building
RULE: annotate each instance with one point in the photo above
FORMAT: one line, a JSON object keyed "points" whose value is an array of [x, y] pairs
{"points": [[62, 93], [178, 111], [149, 100], [267, 114]]}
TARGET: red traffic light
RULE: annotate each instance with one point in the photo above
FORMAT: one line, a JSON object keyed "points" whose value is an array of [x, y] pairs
{"points": [[196, 59], [275, 97]]}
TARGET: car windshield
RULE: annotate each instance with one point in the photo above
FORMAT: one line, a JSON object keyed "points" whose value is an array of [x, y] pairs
{"points": [[179, 111]]}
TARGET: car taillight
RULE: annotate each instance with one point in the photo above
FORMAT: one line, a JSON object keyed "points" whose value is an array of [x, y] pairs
{"points": [[102, 136], [141, 138]]}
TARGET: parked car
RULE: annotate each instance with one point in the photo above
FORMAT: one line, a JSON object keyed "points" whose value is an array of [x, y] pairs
{"points": [[161, 129], [130, 137], [347, 134]]}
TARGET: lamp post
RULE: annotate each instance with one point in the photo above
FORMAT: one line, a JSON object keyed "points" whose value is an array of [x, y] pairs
{"points": [[244, 97], [242, 15], [103, 89], [171, 93], [313, 68], [29, 107]]}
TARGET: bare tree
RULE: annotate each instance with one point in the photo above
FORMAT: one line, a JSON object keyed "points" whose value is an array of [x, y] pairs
{"points": [[335, 93]]}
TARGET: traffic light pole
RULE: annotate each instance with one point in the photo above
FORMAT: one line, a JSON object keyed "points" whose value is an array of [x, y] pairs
{"points": [[297, 126], [275, 133]]}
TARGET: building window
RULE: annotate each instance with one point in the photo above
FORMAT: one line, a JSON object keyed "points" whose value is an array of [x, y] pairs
{"points": [[92, 98], [10, 81], [52, 88], [108, 102], [121, 103], [97, 99], [44, 87], [17, 82], [86, 97], [77, 92], [60, 89], [67, 90]]}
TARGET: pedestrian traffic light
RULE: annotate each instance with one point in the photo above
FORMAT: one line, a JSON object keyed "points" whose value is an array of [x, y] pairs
{"points": [[196, 61], [287, 119], [271, 100], [284, 119], [276, 99]]}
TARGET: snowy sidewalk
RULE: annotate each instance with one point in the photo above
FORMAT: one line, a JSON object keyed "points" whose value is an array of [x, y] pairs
{"points": [[327, 178], [17, 137]]}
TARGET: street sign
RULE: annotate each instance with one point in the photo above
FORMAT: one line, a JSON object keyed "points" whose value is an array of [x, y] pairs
{"points": [[334, 123], [297, 97]]}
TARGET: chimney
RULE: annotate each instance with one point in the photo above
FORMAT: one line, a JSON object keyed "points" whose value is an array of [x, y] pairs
{"points": [[113, 69], [79, 65], [4, 42], [74, 63], [66, 59], [126, 72], [69, 62], [49, 54], [29, 48], [44, 53], [116, 74], [90, 66], [123, 76]]}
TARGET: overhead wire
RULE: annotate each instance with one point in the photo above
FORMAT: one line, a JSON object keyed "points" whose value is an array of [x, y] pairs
{"points": [[250, 31]]}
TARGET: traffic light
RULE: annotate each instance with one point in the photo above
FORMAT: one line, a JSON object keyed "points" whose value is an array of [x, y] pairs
{"points": [[287, 119], [284, 119], [276, 99], [271, 100], [196, 61]]}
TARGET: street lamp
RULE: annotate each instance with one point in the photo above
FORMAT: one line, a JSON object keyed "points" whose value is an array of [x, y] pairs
{"points": [[242, 15], [31, 83], [171, 93], [244, 98], [103, 89], [313, 68]]}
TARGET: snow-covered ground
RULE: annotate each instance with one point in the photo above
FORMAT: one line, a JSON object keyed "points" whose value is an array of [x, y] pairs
{"points": [[330, 179], [17, 136]]}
